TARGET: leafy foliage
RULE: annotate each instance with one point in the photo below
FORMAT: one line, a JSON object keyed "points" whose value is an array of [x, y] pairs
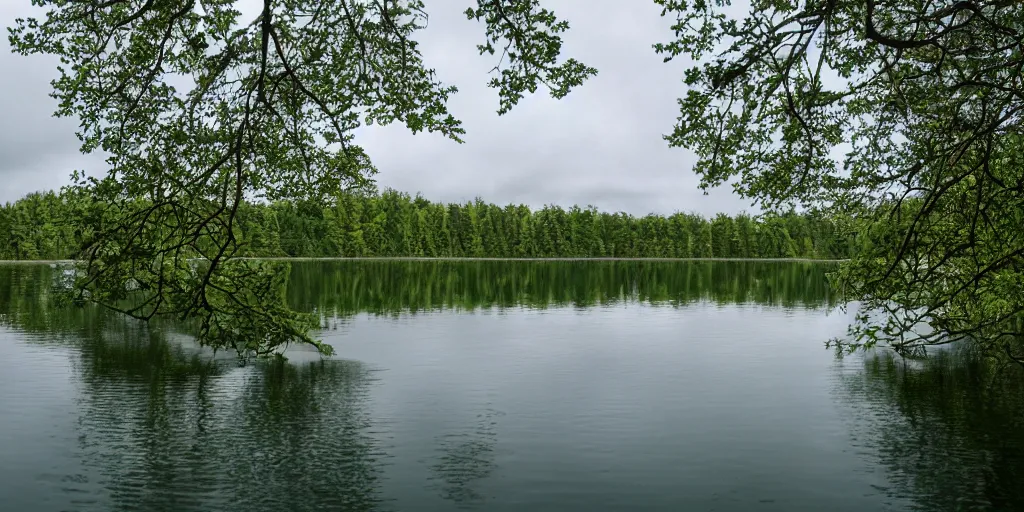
{"points": [[394, 224], [528, 36], [200, 108], [926, 99]]}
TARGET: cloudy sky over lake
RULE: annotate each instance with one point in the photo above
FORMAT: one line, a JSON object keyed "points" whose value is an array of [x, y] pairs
{"points": [[601, 145]]}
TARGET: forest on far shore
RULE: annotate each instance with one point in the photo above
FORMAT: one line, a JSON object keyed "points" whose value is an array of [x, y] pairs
{"points": [[42, 226]]}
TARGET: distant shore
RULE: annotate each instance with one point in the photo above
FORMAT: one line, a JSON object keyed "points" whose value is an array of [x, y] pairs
{"points": [[424, 258]]}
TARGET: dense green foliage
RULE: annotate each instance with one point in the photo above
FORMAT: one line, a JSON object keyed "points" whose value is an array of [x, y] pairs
{"points": [[924, 99], [45, 226], [198, 106]]}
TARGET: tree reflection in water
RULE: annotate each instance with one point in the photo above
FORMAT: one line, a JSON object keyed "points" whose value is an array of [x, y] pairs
{"points": [[949, 429], [345, 288], [164, 425], [465, 459]]}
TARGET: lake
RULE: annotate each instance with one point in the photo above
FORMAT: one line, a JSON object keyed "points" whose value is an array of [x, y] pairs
{"points": [[504, 386]]}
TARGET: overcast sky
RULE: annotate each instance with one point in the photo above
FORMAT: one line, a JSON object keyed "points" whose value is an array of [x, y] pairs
{"points": [[601, 145]]}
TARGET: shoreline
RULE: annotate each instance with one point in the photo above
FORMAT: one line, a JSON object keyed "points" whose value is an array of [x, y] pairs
{"points": [[427, 258]]}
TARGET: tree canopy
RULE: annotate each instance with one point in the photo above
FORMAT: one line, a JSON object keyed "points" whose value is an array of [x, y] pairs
{"points": [[395, 224], [924, 97], [201, 108]]}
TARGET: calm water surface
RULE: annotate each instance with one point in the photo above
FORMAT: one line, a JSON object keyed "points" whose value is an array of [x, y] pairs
{"points": [[503, 386]]}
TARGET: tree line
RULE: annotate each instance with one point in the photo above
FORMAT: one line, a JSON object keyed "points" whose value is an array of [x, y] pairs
{"points": [[45, 225]]}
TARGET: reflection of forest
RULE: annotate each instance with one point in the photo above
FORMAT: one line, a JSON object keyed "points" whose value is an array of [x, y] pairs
{"points": [[395, 224], [466, 458], [949, 429], [164, 427], [164, 424], [345, 288]]}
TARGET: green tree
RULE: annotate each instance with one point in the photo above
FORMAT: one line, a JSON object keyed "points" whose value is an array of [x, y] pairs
{"points": [[722, 237], [47, 226], [926, 96], [271, 114], [704, 246], [746, 244]]}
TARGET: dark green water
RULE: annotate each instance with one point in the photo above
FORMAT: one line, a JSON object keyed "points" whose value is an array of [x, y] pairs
{"points": [[503, 386]]}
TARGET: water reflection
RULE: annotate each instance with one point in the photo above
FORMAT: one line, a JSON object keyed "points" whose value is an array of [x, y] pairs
{"points": [[949, 430], [345, 288], [307, 440], [161, 428], [163, 425], [388, 287], [159, 424], [466, 458]]}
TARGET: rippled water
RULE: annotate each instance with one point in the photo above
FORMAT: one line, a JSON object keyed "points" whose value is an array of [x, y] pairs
{"points": [[503, 386]]}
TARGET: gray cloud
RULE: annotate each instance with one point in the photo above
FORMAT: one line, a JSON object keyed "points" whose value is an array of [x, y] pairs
{"points": [[37, 151], [601, 145]]}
